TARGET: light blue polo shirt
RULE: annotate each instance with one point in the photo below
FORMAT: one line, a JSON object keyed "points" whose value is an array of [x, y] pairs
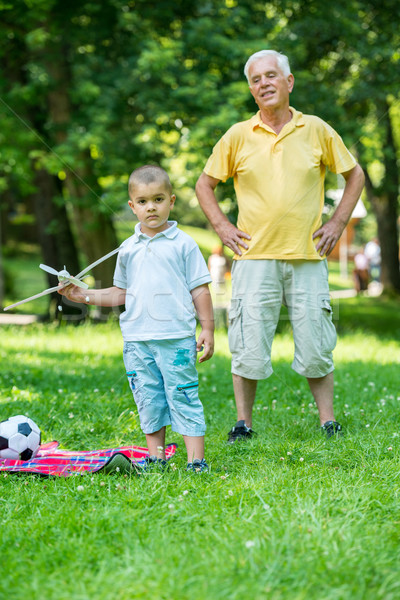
{"points": [[158, 274]]}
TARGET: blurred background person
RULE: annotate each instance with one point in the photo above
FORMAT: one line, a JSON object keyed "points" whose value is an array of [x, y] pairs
{"points": [[218, 265], [361, 272], [373, 253]]}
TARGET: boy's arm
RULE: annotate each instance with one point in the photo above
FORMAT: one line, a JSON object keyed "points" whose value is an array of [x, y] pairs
{"points": [[204, 308], [112, 296]]}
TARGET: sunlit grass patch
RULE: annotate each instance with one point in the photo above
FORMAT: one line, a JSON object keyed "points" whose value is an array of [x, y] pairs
{"points": [[289, 515]]}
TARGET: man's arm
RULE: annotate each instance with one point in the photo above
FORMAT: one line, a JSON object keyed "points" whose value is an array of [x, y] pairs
{"points": [[232, 237], [330, 233], [112, 296], [202, 301]]}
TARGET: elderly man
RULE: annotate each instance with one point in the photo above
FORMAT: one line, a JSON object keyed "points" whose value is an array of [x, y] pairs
{"points": [[278, 160]]}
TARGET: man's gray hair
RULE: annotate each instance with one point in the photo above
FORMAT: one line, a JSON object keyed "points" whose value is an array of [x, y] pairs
{"points": [[281, 60]]}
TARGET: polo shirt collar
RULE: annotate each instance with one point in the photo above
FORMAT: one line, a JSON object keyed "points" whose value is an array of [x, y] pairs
{"points": [[170, 233], [297, 120]]}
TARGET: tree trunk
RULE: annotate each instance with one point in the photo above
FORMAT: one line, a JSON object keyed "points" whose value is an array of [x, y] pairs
{"points": [[385, 206], [2, 286], [96, 234], [95, 229], [385, 210], [56, 241]]}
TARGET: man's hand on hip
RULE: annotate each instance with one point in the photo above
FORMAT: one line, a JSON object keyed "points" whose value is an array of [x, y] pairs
{"points": [[328, 235], [232, 237]]}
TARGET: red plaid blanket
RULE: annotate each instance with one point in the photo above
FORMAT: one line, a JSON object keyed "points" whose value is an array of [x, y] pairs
{"points": [[50, 460]]}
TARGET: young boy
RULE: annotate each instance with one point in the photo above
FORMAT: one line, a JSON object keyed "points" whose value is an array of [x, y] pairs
{"points": [[159, 276]]}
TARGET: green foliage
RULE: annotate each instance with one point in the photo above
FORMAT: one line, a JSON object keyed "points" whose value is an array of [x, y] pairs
{"points": [[286, 516], [146, 77], [148, 82], [90, 91]]}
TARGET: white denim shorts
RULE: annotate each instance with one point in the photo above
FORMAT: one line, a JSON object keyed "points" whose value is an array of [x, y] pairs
{"points": [[259, 288], [164, 381]]}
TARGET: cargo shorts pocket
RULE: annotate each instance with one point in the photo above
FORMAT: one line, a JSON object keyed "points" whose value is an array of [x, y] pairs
{"points": [[187, 392], [235, 331], [137, 391], [328, 329]]}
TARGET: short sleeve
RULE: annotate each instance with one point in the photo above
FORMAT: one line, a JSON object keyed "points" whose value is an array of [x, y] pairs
{"points": [[197, 272], [119, 278], [335, 155], [221, 162]]}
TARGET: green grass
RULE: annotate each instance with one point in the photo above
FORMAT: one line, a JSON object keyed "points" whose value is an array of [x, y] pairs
{"points": [[286, 516], [336, 280], [26, 280]]}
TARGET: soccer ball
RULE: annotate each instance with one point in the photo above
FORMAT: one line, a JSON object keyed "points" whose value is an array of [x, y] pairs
{"points": [[19, 438]]}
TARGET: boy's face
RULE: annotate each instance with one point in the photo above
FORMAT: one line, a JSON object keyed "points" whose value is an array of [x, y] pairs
{"points": [[151, 203]]}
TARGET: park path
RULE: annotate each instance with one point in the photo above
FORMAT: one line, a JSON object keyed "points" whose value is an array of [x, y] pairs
{"points": [[15, 319], [18, 319]]}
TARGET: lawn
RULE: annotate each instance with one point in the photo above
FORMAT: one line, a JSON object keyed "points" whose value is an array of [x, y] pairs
{"points": [[288, 515]]}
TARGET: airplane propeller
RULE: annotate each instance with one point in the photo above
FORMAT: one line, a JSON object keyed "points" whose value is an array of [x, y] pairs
{"points": [[65, 278]]}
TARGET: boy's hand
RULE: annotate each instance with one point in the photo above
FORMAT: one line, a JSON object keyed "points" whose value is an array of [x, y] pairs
{"points": [[206, 340], [72, 292]]}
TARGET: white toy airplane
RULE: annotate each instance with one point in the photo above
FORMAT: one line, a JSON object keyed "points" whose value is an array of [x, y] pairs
{"points": [[65, 278]]}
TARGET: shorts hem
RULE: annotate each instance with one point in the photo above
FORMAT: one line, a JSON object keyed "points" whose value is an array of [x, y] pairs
{"points": [[155, 430], [197, 433], [252, 373], [315, 373]]}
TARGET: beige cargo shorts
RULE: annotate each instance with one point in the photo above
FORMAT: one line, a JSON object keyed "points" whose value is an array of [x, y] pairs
{"points": [[259, 288]]}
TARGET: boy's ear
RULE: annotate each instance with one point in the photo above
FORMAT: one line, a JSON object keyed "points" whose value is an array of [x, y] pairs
{"points": [[131, 206], [172, 201]]}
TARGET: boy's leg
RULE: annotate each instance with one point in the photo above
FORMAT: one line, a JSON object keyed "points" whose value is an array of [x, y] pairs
{"points": [[156, 443], [146, 383], [194, 447], [176, 360], [177, 363]]}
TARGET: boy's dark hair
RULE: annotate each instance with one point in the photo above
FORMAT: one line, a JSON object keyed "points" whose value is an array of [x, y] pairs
{"points": [[149, 174]]}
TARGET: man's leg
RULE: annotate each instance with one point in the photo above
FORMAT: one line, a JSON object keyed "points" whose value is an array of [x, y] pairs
{"points": [[310, 312], [322, 390], [245, 394], [253, 317]]}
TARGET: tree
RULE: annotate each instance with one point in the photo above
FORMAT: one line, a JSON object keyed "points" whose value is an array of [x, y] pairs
{"points": [[105, 87]]}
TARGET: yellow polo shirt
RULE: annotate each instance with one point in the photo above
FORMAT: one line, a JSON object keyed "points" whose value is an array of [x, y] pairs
{"points": [[279, 181]]}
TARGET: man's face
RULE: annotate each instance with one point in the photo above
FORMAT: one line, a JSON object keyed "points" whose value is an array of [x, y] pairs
{"points": [[268, 86]]}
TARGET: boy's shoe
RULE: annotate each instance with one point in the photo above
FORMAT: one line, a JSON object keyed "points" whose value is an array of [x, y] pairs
{"points": [[198, 466], [331, 428], [153, 464], [240, 432]]}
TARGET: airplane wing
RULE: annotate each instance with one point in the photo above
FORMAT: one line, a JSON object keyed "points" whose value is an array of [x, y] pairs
{"points": [[74, 281], [53, 289], [48, 291], [97, 262]]}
